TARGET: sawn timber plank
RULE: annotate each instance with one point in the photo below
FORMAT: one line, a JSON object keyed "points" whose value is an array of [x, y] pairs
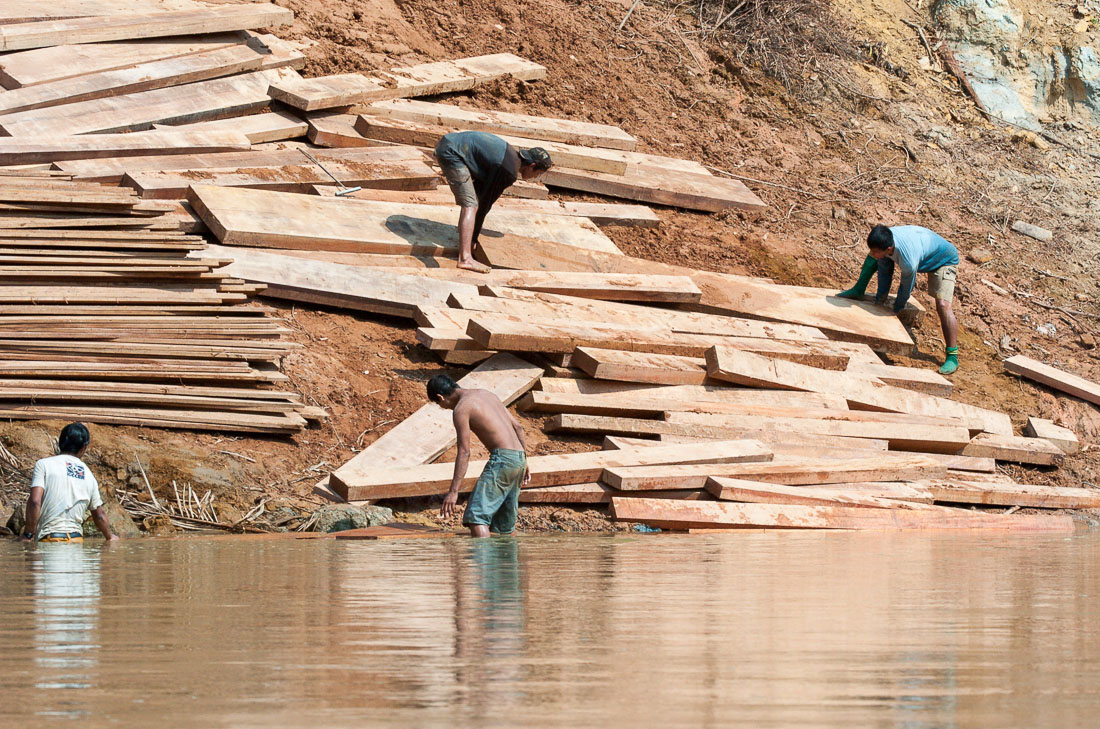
{"points": [[554, 470]]}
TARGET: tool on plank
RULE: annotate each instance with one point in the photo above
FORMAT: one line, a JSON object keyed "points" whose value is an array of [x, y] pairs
{"points": [[344, 189]]}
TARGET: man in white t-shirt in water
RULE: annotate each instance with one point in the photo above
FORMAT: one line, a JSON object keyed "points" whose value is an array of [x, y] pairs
{"points": [[62, 490]]}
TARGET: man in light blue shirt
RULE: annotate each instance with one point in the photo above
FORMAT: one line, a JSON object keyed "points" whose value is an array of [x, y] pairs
{"points": [[914, 250]]}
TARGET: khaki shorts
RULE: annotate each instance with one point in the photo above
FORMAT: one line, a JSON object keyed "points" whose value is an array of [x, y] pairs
{"points": [[461, 183], [941, 282]]}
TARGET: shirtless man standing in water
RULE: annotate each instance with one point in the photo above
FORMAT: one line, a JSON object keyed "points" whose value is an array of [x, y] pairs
{"points": [[494, 504]]}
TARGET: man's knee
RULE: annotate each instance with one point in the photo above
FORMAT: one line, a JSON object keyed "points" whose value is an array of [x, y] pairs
{"points": [[943, 306]]}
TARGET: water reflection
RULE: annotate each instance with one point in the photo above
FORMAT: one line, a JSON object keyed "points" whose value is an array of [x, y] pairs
{"points": [[765, 630], [66, 611]]}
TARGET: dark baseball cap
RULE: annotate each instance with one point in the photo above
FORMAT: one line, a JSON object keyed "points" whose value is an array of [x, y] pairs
{"points": [[538, 157]]}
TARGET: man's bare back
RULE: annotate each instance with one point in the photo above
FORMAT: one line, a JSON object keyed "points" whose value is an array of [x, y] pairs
{"points": [[488, 419]]}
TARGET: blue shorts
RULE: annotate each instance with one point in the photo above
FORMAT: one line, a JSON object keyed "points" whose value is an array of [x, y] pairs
{"points": [[495, 500]]}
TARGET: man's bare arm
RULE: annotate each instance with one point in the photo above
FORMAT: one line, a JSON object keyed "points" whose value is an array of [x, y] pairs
{"points": [[34, 510], [462, 460], [99, 516]]}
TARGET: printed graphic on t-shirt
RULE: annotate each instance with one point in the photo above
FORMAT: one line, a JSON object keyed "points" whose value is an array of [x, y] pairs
{"points": [[75, 471]]}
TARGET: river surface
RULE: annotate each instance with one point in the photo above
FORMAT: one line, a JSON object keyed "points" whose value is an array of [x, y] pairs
{"points": [[771, 629]]}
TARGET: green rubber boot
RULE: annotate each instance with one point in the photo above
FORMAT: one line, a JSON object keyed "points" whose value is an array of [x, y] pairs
{"points": [[870, 265], [952, 362]]}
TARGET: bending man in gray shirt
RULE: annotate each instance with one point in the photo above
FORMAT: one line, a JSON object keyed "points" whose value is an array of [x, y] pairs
{"points": [[479, 167]]}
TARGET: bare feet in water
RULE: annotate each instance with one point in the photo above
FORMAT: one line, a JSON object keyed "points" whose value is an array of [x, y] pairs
{"points": [[472, 265]]}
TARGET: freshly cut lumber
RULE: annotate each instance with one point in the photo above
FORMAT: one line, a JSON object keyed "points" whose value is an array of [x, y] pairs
{"points": [[199, 101], [555, 470], [656, 403], [175, 370], [173, 184], [326, 92], [801, 471], [271, 126], [498, 332], [641, 367], [1014, 448], [536, 305], [929, 382], [280, 423], [1064, 438], [143, 77], [660, 187], [590, 159], [336, 129], [692, 393], [674, 514], [111, 170], [500, 122], [1054, 378], [974, 464], [428, 433], [905, 432], [756, 492], [600, 286], [640, 216], [141, 25], [55, 63], [1013, 494], [245, 217], [17, 150], [603, 425], [333, 284], [752, 370], [597, 493]]}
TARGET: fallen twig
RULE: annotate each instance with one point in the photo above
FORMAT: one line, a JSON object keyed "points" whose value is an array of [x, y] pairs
{"points": [[628, 14]]}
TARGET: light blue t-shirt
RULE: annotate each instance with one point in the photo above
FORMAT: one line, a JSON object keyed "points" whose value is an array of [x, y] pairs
{"points": [[916, 250]]}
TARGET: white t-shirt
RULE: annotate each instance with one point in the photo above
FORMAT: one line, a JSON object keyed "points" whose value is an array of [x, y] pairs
{"points": [[71, 491]]}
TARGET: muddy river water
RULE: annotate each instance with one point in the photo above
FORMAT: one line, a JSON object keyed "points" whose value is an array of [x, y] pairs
{"points": [[767, 629]]}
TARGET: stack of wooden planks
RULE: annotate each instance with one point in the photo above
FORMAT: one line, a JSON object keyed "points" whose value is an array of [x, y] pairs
{"points": [[109, 316]]}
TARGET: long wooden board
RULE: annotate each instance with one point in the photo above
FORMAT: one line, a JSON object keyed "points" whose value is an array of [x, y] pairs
{"points": [[1013, 494], [271, 126], [640, 216], [498, 332], [675, 514], [756, 492], [19, 150], [789, 471], [1054, 378], [285, 220], [1036, 451], [555, 470], [656, 403], [597, 493], [659, 187], [500, 122], [173, 184], [56, 63], [617, 287], [112, 169], [199, 101], [924, 436], [333, 284], [604, 425], [143, 77], [556, 307], [927, 381], [219, 19], [326, 92], [748, 369]]}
